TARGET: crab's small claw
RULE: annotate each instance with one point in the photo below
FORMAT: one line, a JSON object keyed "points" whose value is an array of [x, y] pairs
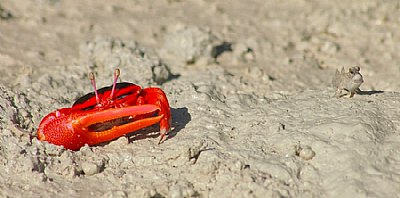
{"points": [[157, 97]]}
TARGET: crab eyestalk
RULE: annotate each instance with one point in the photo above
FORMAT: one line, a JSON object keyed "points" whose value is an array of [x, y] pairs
{"points": [[92, 79], [117, 72]]}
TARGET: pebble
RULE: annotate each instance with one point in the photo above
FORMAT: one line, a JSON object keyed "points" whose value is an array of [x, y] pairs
{"points": [[90, 168], [305, 152]]}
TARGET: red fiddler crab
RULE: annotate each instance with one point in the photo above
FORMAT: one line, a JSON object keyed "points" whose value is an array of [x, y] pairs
{"points": [[106, 114]]}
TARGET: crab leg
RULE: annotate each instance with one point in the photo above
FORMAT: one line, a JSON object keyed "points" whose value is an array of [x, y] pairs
{"points": [[157, 97], [116, 131]]}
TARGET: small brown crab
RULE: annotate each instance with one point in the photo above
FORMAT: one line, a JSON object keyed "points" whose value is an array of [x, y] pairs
{"points": [[348, 81]]}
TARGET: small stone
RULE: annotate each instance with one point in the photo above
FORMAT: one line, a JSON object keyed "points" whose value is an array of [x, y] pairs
{"points": [[238, 165], [305, 152], [90, 168]]}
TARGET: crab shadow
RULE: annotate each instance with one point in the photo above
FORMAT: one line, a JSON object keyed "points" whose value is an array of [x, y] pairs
{"points": [[372, 92], [180, 117]]}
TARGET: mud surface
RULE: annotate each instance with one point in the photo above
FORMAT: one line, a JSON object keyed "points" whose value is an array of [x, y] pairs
{"points": [[249, 84]]}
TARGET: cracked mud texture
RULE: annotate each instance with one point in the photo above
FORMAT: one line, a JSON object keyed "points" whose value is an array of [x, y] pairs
{"points": [[253, 113]]}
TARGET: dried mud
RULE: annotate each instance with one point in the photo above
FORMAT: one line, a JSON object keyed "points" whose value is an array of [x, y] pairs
{"points": [[253, 112]]}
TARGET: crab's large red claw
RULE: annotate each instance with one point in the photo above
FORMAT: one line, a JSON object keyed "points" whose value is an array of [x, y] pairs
{"points": [[93, 127], [121, 121]]}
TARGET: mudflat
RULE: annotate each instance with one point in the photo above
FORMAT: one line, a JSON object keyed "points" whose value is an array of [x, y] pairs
{"points": [[254, 113]]}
